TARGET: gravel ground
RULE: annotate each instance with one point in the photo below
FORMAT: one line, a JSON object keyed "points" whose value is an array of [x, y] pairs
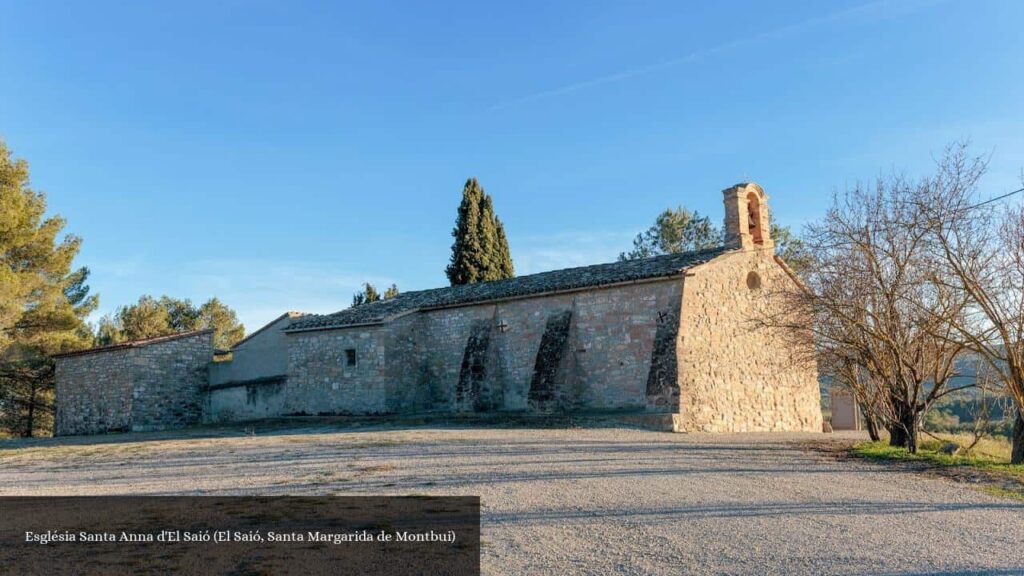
{"points": [[581, 501]]}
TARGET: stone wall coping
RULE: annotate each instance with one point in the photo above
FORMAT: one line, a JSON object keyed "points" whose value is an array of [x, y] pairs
{"points": [[134, 343]]}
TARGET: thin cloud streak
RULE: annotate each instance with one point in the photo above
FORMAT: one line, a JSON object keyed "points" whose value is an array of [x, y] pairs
{"points": [[871, 11]]}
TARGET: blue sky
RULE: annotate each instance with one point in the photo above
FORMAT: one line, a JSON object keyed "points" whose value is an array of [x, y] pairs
{"points": [[278, 154]]}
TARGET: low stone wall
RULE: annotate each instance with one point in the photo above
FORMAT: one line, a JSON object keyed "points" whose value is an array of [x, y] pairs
{"points": [[93, 393], [146, 385], [168, 382]]}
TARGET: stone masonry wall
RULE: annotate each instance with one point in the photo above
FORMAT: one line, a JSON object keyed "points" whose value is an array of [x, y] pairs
{"points": [[93, 393], [136, 386], [251, 385], [169, 382], [246, 401], [596, 359], [321, 381], [486, 358], [734, 375]]}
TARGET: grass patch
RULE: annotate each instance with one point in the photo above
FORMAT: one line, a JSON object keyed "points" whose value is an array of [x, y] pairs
{"points": [[988, 464], [1001, 492], [991, 455], [995, 448]]}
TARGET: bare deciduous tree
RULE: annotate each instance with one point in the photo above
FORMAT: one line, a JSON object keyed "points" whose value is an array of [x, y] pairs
{"points": [[880, 317], [981, 409], [979, 245]]}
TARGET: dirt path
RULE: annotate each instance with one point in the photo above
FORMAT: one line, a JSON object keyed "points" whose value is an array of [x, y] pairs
{"points": [[582, 501]]}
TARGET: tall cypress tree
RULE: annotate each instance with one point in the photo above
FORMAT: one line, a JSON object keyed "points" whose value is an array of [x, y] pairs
{"points": [[487, 231], [480, 252], [504, 254]]}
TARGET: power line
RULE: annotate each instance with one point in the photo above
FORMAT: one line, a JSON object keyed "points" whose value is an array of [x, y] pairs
{"points": [[997, 198], [876, 228]]}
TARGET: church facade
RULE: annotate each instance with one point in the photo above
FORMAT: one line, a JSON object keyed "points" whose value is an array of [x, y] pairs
{"points": [[673, 341]]}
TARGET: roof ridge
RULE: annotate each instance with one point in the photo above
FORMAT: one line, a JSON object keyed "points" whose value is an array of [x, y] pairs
{"points": [[261, 329], [550, 281], [139, 343]]}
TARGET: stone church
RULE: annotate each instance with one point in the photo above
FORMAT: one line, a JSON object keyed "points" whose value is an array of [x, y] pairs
{"points": [[670, 341]]}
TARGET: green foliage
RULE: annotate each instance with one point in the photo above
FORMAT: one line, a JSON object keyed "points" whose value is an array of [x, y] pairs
{"points": [[182, 316], [883, 451], [26, 390], [1002, 492], [147, 318], [790, 248], [678, 230], [369, 294], [366, 295], [43, 302], [959, 412], [928, 451], [480, 252], [151, 317], [675, 230], [936, 420], [227, 330]]}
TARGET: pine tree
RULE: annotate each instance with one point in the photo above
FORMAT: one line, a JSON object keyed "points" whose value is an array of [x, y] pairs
{"points": [[151, 317], [227, 330], [679, 230], [107, 331], [791, 248], [366, 295], [182, 316], [147, 318], [675, 230], [480, 252], [43, 302]]}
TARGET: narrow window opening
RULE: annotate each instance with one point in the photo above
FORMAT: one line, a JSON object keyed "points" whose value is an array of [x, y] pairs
{"points": [[754, 218], [350, 356]]}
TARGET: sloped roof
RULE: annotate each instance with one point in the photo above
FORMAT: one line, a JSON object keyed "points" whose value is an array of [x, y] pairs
{"points": [[268, 325], [545, 282], [134, 343]]}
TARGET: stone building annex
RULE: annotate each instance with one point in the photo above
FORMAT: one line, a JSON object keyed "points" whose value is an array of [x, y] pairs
{"points": [[670, 340]]}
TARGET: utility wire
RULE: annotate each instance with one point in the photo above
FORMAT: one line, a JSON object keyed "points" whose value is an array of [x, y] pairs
{"points": [[872, 229], [997, 198]]}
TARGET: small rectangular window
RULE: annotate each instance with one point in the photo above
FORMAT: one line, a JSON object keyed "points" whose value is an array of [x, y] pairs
{"points": [[350, 356]]}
